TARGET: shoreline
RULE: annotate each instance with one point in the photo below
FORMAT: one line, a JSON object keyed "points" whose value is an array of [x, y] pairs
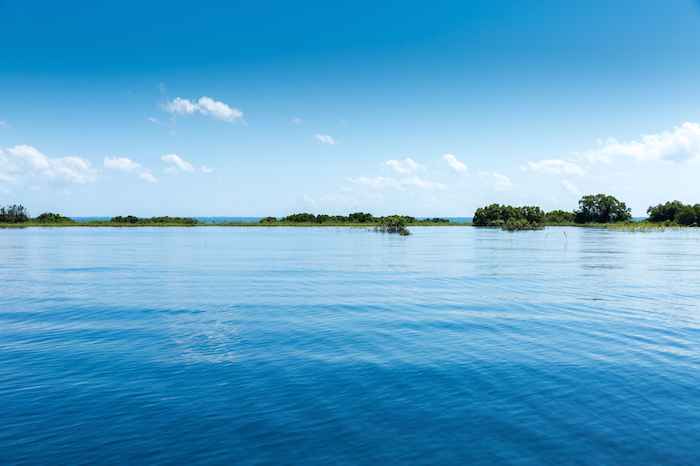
{"points": [[633, 227]]}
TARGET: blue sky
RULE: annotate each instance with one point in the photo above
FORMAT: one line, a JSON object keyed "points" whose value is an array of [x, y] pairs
{"points": [[423, 108]]}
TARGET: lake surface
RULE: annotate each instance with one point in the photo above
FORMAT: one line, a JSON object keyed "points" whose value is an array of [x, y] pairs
{"points": [[343, 346]]}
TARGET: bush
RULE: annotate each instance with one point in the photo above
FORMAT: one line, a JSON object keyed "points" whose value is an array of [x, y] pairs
{"points": [[521, 225], [268, 220], [393, 224]]}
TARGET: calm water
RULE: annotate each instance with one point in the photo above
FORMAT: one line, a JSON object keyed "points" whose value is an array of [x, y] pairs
{"points": [[344, 346]]}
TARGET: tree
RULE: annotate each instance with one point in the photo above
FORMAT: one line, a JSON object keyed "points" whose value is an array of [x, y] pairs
{"points": [[361, 217], [496, 215], [559, 216], [268, 220], [602, 208], [300, 218], [50, 217], [665, 212], [686, 216], [14, 214]]}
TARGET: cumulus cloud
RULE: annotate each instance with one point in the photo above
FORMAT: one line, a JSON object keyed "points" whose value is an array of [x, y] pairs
{"points": [[404, 167], [121, 164], [454, 163], [127, 165], [324, 139], [555, 167], [205, 106], [383, 183], [176, 163], [147, 176], [680, 144], [27, 161]]}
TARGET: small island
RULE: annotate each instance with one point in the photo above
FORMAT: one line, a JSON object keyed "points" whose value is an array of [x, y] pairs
{"points": [[595, 210]]}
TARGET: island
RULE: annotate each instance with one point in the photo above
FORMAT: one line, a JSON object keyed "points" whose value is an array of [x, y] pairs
{"points": [[594, 210]]}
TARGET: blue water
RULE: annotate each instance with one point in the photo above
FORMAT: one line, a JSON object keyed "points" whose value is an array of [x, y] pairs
{"points": [[344, 346]]}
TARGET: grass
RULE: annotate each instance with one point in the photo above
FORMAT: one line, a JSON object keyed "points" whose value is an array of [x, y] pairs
{"points": [[644, 226]]}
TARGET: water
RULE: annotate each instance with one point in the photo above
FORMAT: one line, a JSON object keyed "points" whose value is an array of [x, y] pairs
{"points": [[344, 346]]}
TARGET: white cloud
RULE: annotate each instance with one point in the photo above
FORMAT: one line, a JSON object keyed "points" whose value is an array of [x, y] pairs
{"points": [[324, 139], [126, 165], [205, 169], [147, 176], [180, 106], [680, 144], [382, 183], [27, 161], [216, 109], [454, 163], [205, 106], [555, 167], [177, 163], [405, 166], [121, 164], [571, 188], [502, 183]]}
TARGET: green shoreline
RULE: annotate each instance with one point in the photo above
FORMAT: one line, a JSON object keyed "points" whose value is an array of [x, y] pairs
{"points": [[633, 226]]}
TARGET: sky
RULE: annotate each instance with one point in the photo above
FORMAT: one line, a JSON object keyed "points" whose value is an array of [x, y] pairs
{"points": [[419, 108]]}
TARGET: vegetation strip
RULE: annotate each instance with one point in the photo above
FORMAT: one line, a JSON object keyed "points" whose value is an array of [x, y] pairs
{"points": [[593, 210]]}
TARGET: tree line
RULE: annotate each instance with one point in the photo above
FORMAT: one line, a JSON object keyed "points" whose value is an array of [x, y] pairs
{"points": [[132, 220], [353, 218], [594, 208], [675, 212], [19, 214]]}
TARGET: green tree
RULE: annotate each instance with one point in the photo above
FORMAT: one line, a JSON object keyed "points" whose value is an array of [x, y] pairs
{"points": [[686, 216], [665, 212], [14, 214], [602, 208], [496, 215], [559, 216], [50, 217]]}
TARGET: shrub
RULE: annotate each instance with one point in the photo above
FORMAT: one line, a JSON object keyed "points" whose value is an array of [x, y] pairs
{"points": [[393, 224]]}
